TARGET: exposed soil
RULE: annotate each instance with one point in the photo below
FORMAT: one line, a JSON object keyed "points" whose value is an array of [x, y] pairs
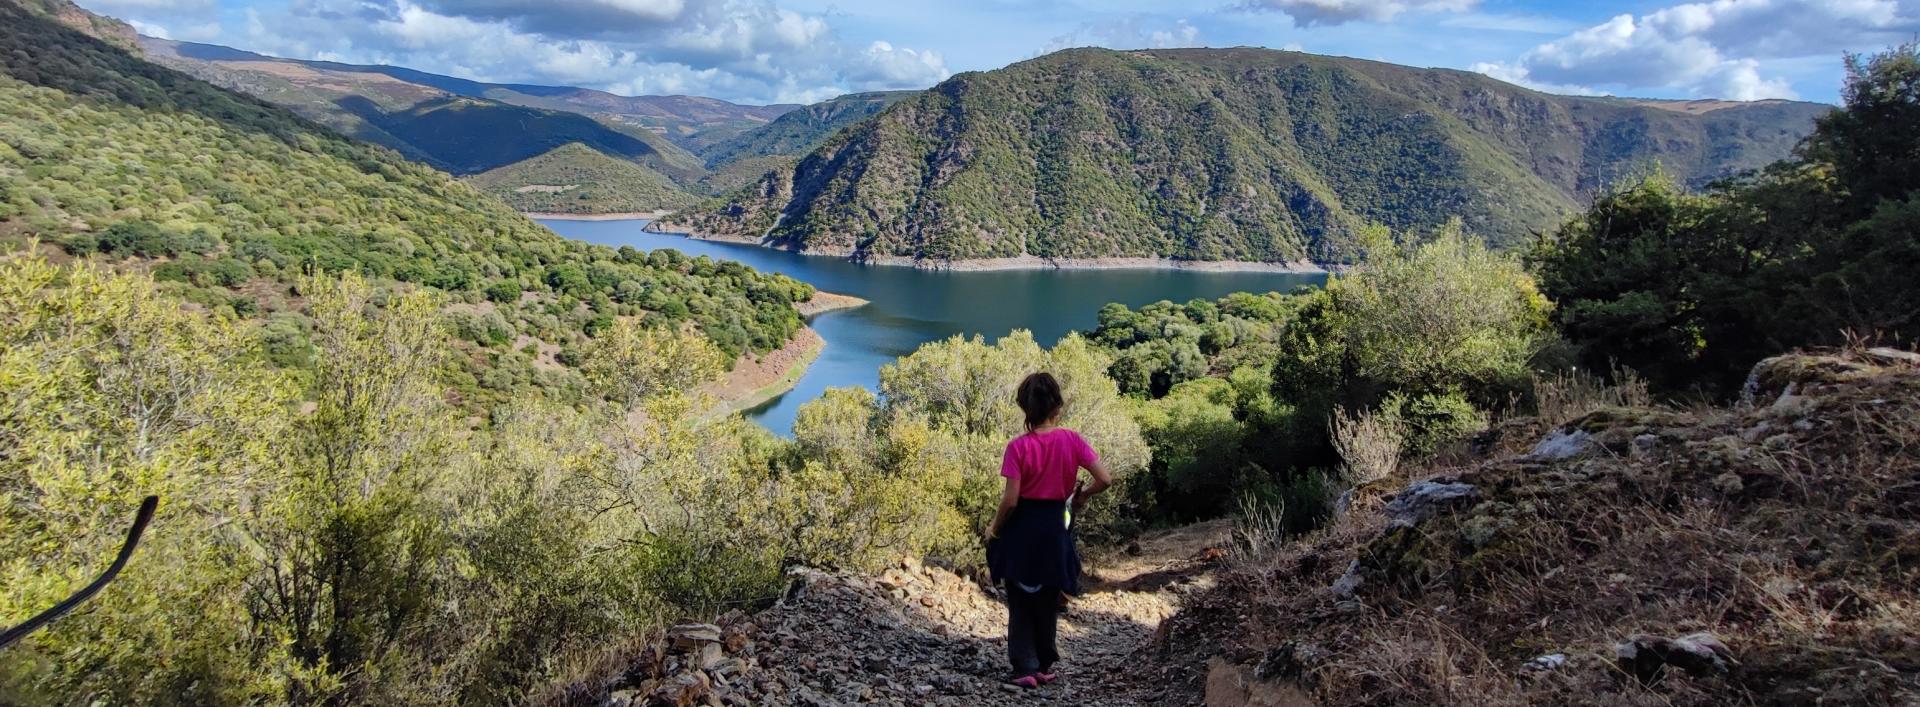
{"points": [[823, 302], [756, 378]]}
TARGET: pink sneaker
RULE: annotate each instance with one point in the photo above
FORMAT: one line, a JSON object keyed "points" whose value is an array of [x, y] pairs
{"points": [[1027, 681], [1047, 678]]}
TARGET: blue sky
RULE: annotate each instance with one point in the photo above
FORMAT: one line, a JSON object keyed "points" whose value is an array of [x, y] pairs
{"points": [[760, 51]]}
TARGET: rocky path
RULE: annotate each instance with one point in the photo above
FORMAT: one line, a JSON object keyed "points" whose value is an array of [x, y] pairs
{"points": [[919, 635]]}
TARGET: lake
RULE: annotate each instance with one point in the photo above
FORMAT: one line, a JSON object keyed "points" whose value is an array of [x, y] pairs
{"points": [[911, 307]]}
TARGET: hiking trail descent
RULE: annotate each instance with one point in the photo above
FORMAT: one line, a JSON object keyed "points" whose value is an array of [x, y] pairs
{"points": [[921, 635]]}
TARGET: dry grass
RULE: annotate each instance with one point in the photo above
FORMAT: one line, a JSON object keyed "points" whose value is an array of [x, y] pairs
{"points": [[1790, 530], [1566, 395], [1369, 444], [1258, 529]]}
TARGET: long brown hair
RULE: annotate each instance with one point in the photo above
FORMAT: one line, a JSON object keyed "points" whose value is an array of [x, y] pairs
{"points": [[1039, 396]]}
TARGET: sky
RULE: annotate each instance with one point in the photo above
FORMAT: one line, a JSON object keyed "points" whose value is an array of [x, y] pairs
{"points": [[801, 51]]}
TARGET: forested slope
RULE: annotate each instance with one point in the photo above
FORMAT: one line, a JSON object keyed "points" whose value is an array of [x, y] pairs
{"points": [[800, 130], [407, 110], [576, 179], [227, 200], [1247, 154]]}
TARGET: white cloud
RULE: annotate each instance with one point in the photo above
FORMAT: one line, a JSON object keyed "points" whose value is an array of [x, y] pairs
{"points": [[881, 64], [1518, 76], [744, 50], [1307, 13], [1715, 49], [131, 7]]}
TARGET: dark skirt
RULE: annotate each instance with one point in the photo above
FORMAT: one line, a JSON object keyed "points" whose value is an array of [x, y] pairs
{"points": [[1035, 548]]}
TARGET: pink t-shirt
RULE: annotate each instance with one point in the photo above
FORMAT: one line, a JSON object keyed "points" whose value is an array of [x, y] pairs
{"points": [[1046, 463]]}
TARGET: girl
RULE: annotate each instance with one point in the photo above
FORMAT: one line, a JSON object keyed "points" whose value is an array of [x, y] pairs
{"points": [[1030, 546]]}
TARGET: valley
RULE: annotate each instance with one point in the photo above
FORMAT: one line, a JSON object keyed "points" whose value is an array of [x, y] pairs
{"points": [[1414, 386], [524, 143], [909, 307]]}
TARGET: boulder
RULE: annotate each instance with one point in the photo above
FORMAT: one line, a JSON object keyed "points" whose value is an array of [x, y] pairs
{"points": [[1562, 444], [1348, 583], [1425, 499], [1647, 657], [688, 637]]}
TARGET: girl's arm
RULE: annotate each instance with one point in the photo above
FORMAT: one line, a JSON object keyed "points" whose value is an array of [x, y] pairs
{"points": [[1101, 480], [1008, 499]]}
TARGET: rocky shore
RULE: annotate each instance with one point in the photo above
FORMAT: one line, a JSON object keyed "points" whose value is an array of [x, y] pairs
{"points": [[622, 216], [823, 302], [756, 379]]}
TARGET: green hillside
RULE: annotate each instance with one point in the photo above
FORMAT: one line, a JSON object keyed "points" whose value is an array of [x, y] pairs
{"points": [[802, 129], [1246, 154], [576, 179], [470, 135], [728, 176], [227, 200]]}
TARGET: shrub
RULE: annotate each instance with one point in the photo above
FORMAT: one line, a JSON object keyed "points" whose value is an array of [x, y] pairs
{"points": [[632, 362], [1369, 444], [504, 292], [1691, 290], [1432, 421]]}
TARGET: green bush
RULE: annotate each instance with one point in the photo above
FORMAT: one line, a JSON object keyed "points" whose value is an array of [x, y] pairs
{"points": [[1692, 290], [338, 532], [1433, 421]]}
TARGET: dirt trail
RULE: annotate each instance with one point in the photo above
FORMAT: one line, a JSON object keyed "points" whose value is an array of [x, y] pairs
{"points": [[915, 635]]}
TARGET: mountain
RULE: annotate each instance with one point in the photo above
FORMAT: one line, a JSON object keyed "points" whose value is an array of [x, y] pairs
{"points": [[692, 122], [800, 130], [105, 29], [577, 179], [776, 146], [227, 199], [1223, 154], [421, 115], [671, 125], [728, 176]]}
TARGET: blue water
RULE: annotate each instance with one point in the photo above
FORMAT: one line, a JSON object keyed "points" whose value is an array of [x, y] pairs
{"points": [[911, 307]]}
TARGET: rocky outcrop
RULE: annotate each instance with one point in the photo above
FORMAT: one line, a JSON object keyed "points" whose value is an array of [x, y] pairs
{"points": [[1764, 553]]}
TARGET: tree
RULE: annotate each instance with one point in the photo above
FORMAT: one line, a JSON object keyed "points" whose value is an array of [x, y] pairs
{"points": [[1444, 323], [632, 362], [351, 550], [1693, 290], [115, 392]]}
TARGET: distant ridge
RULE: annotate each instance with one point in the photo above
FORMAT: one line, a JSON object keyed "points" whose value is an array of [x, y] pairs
{"points": [[1223, 154]]}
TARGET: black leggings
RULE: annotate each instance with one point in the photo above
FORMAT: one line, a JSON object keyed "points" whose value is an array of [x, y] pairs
{"points": [[1031, 619]]}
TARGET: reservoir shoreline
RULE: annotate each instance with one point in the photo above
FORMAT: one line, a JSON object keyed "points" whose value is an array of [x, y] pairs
{"points": [[618, 216], [1024, 262], [911, 307], [756, 379]]}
